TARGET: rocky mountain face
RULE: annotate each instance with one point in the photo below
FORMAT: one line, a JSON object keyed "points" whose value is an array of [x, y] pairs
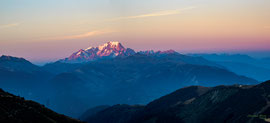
{"points": [[14, 109], [107, 50], [237, 103]]}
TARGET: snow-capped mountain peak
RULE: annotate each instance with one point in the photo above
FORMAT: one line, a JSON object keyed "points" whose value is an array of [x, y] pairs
{"points": [[88, 48], [110, 44], [108, 50]]}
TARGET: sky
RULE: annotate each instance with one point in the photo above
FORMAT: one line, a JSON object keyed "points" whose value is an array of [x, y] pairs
{"points": [[47, 30]]}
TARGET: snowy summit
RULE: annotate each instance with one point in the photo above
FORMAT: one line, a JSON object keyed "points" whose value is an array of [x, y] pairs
{"points": [[108, 50]]}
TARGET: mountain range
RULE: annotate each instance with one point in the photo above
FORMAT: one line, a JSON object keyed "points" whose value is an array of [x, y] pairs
{"points": [[140, 79], [114, 49], [194, 104], [115, 75]]}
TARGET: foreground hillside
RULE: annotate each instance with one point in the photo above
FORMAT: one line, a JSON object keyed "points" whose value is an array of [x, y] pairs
{"points": [[237, 103], [14, 109]]}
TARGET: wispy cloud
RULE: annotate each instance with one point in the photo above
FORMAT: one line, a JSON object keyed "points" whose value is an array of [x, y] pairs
{"points": [[9, 25], [79, 36], [155, 14]]}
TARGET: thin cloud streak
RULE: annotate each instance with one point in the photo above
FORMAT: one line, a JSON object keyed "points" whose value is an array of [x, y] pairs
{"points": [[156, 14], [9, 25], [79, 36]]}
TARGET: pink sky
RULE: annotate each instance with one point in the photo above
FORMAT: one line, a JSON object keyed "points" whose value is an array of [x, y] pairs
{"points": [[49, 30]]}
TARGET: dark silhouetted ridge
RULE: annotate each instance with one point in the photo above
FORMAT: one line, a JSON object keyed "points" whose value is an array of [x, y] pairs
{"points": [[195, 104], [14, 109]]}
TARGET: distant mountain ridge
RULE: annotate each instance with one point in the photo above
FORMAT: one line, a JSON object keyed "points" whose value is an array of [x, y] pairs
{"points": [[16, 64], [19, 72], [239, 58], [258, 73], [152, 52], [256, 68]]}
